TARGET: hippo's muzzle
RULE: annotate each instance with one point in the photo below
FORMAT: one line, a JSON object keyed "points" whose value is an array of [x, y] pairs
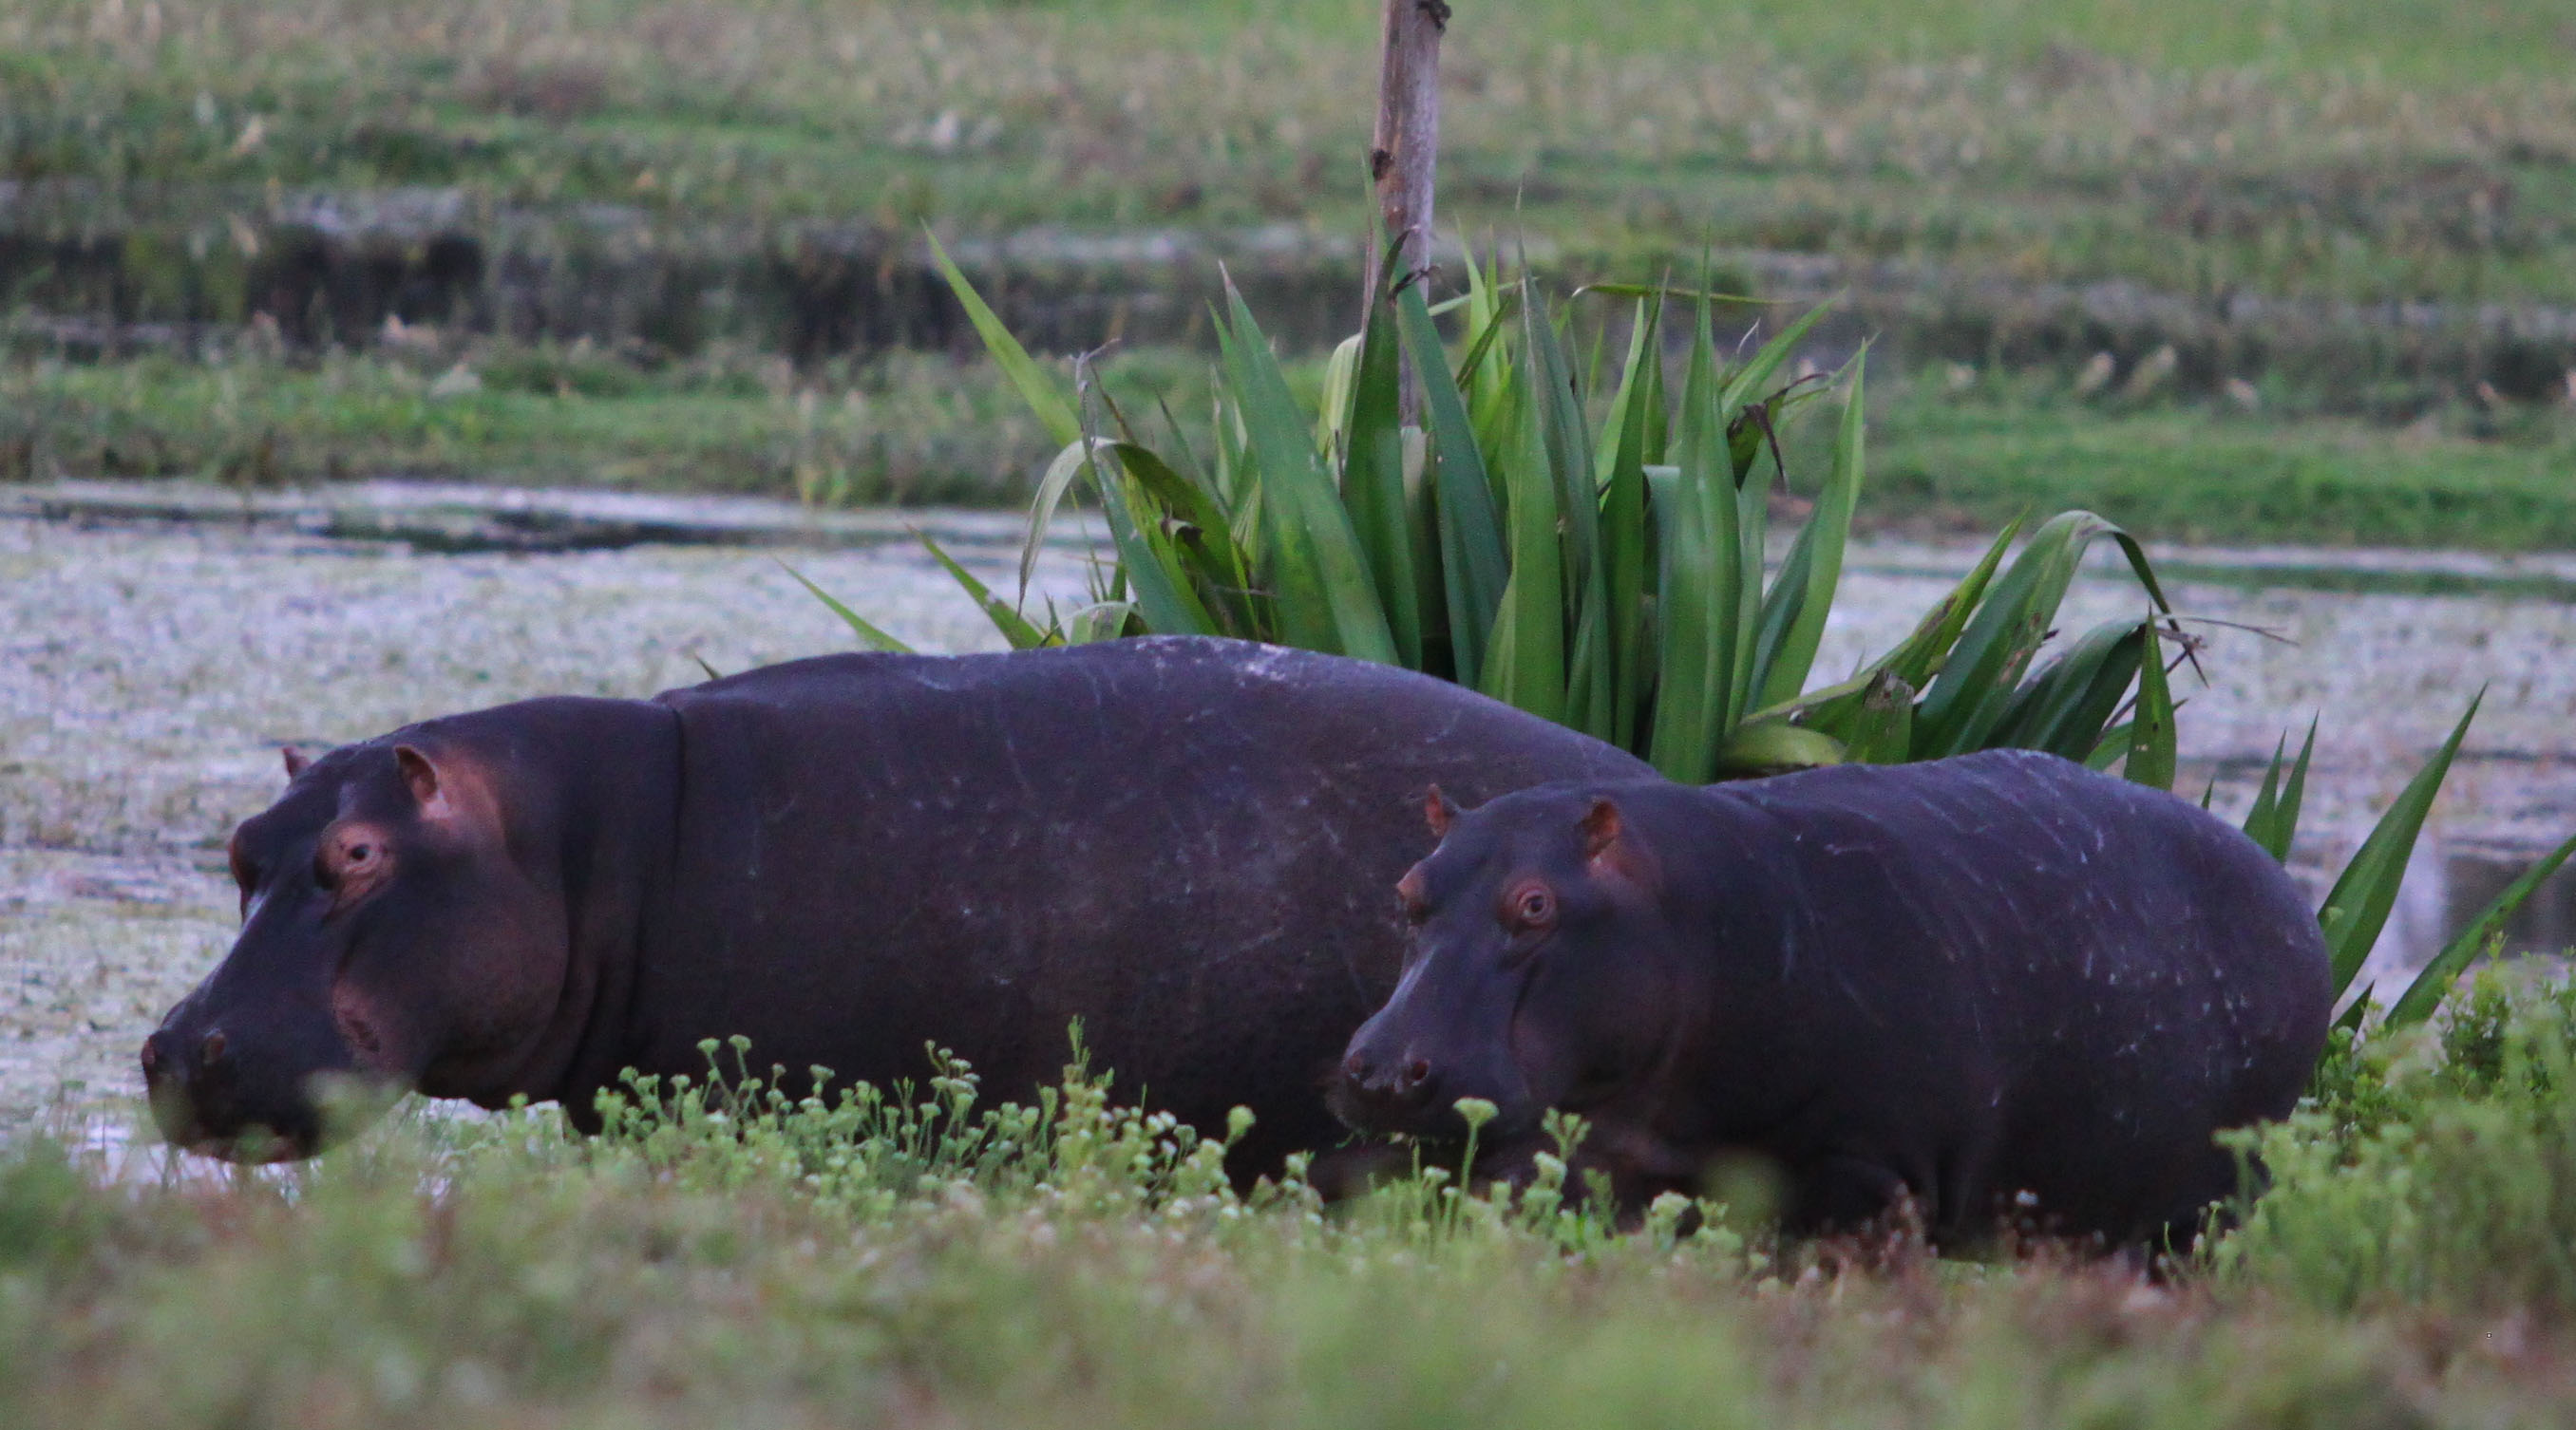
{"points": [[208, 1097], [1384, 1095], [1393, 1083]]}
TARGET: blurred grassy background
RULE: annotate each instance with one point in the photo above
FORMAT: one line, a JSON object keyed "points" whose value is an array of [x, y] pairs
{"points": [[2008, 186], [2337, 146]]}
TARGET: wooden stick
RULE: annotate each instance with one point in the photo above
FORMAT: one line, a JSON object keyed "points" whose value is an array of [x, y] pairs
{"points": [[1405, 153]]}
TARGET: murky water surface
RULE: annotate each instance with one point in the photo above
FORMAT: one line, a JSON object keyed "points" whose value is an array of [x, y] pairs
{"points": [[149, 676]]}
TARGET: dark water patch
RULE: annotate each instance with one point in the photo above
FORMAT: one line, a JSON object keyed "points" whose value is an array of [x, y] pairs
{"points": [[2385, 360], [2373, 581], [2366, 572], [331, 269], [459, 520]]}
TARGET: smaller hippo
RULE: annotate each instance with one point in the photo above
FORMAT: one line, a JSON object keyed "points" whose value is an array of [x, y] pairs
{"points": [[1998, 984]]}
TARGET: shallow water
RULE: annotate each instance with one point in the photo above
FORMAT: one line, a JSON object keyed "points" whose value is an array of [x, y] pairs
{"points": [[150, 674]]}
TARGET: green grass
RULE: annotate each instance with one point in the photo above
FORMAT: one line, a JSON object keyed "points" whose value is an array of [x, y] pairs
{"points": [[2206, 472], [920, 1262], [908, 429]]}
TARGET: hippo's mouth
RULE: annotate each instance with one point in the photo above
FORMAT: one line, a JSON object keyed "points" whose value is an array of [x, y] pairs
{"points": [[253, 1147], [239, 1141], [1442, 1128], [209, 1108]]}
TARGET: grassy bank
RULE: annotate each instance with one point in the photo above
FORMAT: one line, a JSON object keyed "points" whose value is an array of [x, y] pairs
{"points": [[903, 429], [921, 428], [2212, 472], [930, 1264]]}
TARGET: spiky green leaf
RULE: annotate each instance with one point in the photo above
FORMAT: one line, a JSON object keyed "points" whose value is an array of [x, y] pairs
{"points": [[2358, 906], [1014, 627], [868, 634], [1036, 389], [1793, 614], [1474, 565], [2153, 751], [1327, 599]]}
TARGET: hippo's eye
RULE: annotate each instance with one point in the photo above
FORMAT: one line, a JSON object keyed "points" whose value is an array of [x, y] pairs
{"points": [[349, 864], [1534, 907]]}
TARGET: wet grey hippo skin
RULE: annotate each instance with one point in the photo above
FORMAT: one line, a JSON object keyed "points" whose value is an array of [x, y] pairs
{"points": [[1961, 981], [1185, 843]]}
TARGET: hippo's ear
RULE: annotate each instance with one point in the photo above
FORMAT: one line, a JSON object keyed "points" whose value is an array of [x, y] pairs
{"points": [[420, 775], [1438, 812], [296, 760], [1600, 827], [1611, 848]]}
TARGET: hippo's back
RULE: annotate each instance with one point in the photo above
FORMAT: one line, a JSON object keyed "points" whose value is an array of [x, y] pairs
{"points": [[1186, 843]]}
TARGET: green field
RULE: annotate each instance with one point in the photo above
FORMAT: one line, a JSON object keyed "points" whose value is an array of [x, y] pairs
{"points": [[922, 1261]]}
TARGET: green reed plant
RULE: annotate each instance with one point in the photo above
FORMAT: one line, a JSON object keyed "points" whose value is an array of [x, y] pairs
{"points": [[1608, 574]]}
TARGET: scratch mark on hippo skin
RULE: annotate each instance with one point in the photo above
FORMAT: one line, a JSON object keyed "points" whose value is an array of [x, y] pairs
{"points": [[1100, 730], [1433, 739], [936, 674], [1264, 664], [1019, 772]]}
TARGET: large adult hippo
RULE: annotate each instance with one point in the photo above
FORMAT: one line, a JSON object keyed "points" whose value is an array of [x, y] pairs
{"points": [[1999, 983], [1183, 842]]}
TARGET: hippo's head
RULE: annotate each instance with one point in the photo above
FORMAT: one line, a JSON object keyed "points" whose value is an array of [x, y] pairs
{"points": [[1541, 975], [392, 935]]}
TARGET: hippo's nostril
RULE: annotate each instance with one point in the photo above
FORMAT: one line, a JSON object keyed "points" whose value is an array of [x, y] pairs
{"points": [[211, 1051], [1416, 1073]]}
